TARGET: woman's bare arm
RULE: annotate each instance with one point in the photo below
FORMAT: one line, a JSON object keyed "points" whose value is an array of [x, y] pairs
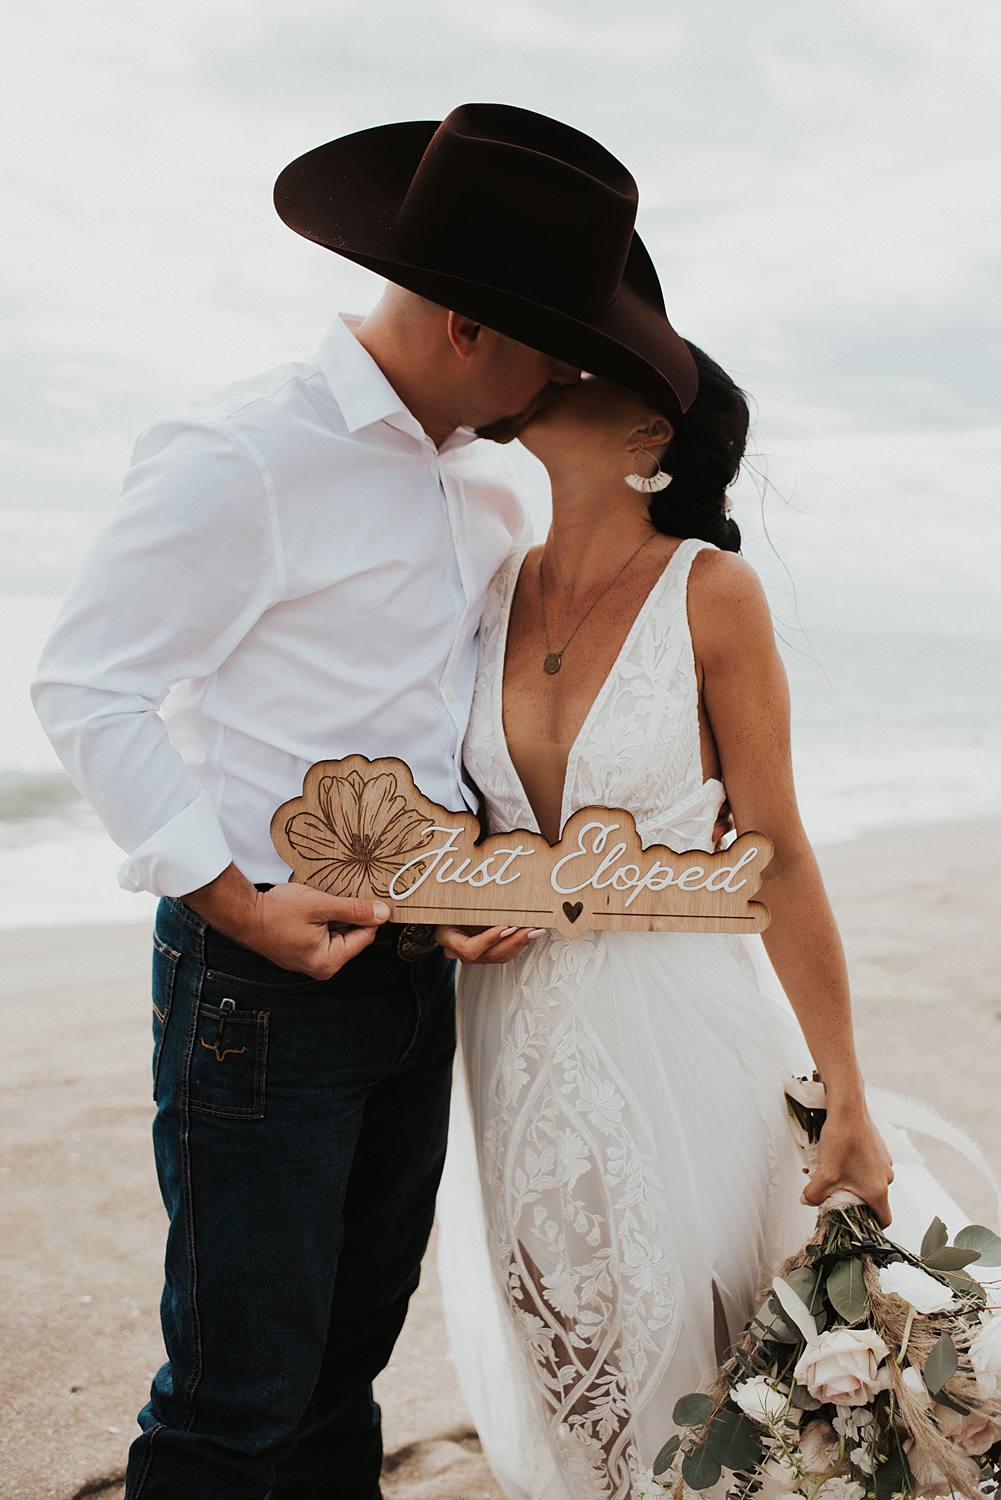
{"points": [[745, 696]]}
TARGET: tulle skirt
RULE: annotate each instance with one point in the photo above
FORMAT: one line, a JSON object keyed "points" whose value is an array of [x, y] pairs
{"points": [[620, 1177]]}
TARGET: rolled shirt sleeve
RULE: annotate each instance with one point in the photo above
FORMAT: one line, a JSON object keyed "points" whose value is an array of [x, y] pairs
{"points": [[188, 558]]}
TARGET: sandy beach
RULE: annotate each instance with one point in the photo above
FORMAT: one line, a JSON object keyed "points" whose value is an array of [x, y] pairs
{"points": [[918, 910]]}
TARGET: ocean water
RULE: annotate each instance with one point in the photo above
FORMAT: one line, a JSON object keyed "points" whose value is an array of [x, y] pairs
{"points": [[886, 730]]}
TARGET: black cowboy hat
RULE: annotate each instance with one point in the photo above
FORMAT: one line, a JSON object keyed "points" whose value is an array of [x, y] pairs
{"points": [[507, 217]]}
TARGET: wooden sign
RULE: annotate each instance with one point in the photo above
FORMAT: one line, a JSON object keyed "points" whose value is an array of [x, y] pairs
{"points": [[362, 828]]}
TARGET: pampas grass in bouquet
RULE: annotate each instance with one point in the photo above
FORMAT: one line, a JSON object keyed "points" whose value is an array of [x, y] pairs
{"points": [[867, 1373]]}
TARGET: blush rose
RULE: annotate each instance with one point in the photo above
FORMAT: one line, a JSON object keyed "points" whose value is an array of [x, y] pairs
{"points": [[842, 1366]]}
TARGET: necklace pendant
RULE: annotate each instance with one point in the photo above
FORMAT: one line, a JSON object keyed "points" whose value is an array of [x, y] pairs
{"points": [[553, 662]]}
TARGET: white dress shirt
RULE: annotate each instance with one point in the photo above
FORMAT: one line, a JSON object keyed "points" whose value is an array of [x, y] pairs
{"points": [[292, 572]]}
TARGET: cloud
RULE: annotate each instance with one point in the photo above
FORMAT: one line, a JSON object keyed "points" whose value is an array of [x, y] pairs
{"points": [[815, 186]]}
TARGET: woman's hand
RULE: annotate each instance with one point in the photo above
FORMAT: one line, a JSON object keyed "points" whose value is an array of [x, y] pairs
{"points": [[724, 825], [851, 1154], [486, 945]]}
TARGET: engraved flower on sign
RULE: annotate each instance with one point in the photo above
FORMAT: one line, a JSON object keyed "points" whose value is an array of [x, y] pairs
{"points": [[365, 832]]}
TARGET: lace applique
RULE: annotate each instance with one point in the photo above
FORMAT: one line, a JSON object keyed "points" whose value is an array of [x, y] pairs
{"points": [[574, 1229]]}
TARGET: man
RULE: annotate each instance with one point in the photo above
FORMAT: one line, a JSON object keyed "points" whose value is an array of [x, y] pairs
{"points": [[300, 561]]}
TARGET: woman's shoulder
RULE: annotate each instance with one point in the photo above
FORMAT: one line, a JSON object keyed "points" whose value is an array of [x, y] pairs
{"points": [[718, 571], [726, 598]]}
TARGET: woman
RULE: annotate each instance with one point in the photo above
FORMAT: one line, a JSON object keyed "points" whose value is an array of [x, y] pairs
{"points": [[620, 1171]]}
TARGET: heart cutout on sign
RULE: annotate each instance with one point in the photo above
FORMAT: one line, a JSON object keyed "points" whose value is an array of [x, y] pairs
{"points": [[572, 910]]}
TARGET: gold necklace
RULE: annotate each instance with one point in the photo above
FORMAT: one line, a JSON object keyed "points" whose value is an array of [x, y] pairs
{"points": [[554, 659]]}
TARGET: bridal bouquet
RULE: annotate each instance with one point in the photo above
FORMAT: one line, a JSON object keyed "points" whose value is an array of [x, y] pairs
{"points": [[867, 1373]]}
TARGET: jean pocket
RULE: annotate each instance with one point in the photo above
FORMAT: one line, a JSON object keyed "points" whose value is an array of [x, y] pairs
{"points": [[231, 963], [165, 961], [229, 1060]]}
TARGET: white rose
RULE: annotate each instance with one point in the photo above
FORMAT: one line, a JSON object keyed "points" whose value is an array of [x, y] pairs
{"points": [[923, 1292], [818, 1447], [760, 1401], [840, 1489], [842, 1365], [985, 1353], [970, 1431]]}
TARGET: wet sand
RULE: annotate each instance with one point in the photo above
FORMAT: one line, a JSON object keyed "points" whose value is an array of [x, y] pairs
{"points": [[919, 911]]}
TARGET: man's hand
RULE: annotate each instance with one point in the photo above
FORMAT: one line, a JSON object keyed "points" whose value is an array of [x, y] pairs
{"points": [[290, 923]]}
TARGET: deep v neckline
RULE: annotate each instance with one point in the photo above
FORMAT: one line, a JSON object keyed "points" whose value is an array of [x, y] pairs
{"points": [[498, 705]]}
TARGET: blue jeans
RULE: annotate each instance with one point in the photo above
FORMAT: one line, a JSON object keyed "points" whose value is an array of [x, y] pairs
{"points": [[299, 1140]]}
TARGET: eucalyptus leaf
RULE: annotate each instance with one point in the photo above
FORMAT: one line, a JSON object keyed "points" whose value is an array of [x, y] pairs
{"points": [[979, 1237], [803, 1280], [733, 1439], [935, 1236], [802, 1400], [692, 1410], [951, 1258], [965, 1286], [846, 1289], [795, 1308], [663, 1460], [701, 1471], [941, 1364], [768, 1323]]}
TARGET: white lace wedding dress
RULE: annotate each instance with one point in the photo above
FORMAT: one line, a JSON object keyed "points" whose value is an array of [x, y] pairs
{"points": [[619, 1143]]}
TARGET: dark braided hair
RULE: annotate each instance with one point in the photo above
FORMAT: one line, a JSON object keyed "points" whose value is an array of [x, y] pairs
{"points": [[703, 458]]}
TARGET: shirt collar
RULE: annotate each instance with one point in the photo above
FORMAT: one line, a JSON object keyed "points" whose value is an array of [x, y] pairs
{"points": [[362, 391], [359, 387]]}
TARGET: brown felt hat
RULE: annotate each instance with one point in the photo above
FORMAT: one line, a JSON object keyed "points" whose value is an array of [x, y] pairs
{"points": [[510, 218]]}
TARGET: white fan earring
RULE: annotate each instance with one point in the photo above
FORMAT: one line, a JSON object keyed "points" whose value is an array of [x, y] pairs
{"points": [[646, 484]]}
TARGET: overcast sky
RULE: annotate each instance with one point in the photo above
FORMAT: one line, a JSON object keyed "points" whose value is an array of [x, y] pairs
{"points": [[818, 186]]}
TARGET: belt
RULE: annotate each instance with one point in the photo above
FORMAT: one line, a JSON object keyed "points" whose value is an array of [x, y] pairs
{"points": [[412, 940]]}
